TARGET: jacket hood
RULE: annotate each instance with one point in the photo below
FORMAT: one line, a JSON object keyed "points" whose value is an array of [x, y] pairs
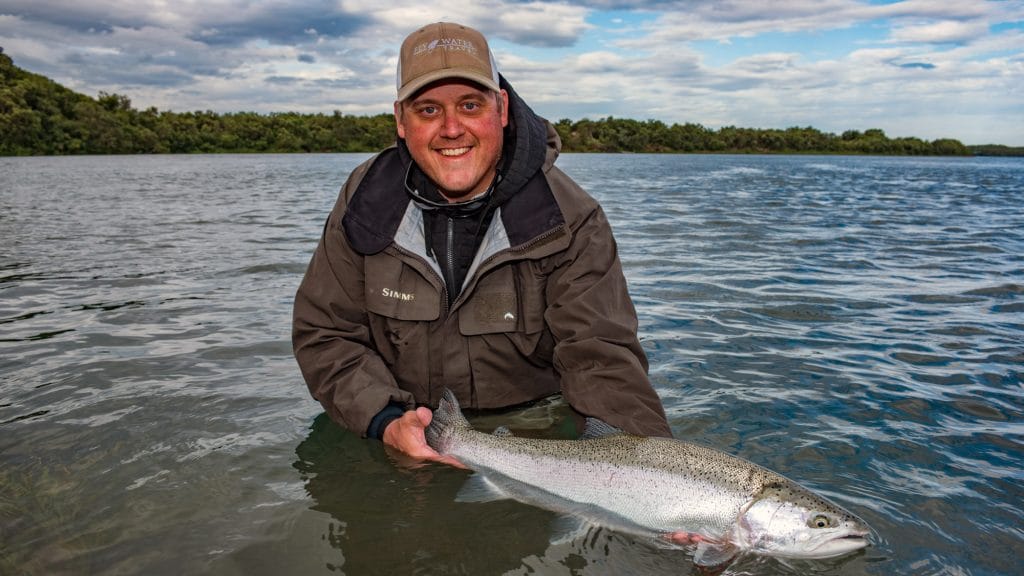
{"points": [[526, 143]]}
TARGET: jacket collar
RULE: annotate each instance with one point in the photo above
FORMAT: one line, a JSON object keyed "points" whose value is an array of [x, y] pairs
{"points": [[379, 204]]}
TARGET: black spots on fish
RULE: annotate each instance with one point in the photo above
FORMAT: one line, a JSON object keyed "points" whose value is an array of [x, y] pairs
{"points": [[782, 489], [750, 483]]}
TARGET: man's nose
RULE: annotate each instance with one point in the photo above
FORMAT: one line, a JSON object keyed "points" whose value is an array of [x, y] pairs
{"points": [[453, 127]]}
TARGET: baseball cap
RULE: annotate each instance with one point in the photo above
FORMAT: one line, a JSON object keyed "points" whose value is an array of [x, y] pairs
{"points": [[445, 50]]}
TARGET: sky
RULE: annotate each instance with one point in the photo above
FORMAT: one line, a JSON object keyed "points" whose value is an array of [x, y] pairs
{"points": [[924, 68]]}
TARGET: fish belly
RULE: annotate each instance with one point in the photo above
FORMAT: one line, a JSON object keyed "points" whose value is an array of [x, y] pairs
{"points": [[624, 496]]}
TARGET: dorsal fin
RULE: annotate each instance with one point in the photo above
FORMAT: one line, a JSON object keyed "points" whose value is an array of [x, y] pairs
{"points": [[596, 428]]}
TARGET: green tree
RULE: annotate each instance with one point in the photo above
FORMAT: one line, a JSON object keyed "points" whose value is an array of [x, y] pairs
{"points": [[39, 116]]}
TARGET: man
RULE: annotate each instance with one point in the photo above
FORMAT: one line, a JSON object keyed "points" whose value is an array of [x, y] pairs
{"points": [[462, 258]]}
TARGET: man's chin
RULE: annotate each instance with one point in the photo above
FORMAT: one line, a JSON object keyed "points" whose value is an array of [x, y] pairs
{"points": [[459, 189]]}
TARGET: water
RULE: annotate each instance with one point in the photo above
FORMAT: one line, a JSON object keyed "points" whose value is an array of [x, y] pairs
{"points": [[854, 323]]}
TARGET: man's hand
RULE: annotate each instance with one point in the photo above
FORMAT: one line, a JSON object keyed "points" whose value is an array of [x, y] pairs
{"points": [[406, 434]]}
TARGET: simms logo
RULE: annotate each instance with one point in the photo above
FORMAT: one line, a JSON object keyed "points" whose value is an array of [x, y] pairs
{"points": [[389, 293], [445, 44]]}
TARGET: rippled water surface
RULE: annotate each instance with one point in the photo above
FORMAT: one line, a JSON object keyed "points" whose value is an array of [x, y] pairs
{"points": [[856, 324]]}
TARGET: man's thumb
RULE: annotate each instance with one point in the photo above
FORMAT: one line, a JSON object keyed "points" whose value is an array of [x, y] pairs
{"points": [[425, 415]]}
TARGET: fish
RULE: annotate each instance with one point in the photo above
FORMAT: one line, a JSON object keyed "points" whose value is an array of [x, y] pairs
{"points": [[675, 494]]}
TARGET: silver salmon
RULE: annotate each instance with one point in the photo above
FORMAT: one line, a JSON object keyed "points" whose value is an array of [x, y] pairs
{"points": [[676, 493]]}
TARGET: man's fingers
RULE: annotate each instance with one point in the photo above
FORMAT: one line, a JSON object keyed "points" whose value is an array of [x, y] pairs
{"points": [[406, 436]]}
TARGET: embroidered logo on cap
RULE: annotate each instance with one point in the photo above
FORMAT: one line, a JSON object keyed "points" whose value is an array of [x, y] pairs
{"points": [[445, 44]]}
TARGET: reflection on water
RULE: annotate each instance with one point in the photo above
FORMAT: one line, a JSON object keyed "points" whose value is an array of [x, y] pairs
{"points": [[853, 323], [408, 522]]}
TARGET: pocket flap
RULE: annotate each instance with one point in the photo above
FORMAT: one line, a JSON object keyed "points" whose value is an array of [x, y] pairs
{"points": [[396, 290], [490, 313]]}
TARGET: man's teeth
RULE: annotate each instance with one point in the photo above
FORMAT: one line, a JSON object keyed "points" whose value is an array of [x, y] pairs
{"points": [[454, 151]]}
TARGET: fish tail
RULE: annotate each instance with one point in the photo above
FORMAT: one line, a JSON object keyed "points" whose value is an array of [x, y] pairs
{"points": [[447, 420]]}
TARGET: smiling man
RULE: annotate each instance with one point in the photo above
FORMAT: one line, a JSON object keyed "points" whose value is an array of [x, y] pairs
{"points": [[462, 258]]}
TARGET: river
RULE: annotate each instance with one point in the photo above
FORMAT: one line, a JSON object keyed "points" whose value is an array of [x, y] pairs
{"points": [[855, 323]]}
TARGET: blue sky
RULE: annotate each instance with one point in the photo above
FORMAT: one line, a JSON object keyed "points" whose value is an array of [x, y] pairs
{"points": [[925, 68]]}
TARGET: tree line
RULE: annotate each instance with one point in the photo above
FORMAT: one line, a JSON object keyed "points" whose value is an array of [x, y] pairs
{"points": [[41, 117], [626, 135]]}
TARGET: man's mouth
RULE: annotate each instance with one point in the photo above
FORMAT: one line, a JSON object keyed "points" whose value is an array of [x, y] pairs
{"points": [[453, 151]]}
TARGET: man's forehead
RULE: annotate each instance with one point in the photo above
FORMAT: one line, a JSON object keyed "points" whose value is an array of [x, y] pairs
{"points": [[458, 87]]}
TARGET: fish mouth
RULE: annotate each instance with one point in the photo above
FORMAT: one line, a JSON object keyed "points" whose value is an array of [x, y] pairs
{"points": [[842, 544]]}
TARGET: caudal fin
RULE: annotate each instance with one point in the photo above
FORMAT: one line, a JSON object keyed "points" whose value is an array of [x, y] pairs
{"points": [[447, 419]]}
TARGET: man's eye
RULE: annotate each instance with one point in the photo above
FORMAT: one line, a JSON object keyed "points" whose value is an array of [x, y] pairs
{"points": [[428, 110]]}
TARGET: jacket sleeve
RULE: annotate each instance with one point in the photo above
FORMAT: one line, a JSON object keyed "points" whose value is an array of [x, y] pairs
{"points": [[331, 335], [597, 352]]}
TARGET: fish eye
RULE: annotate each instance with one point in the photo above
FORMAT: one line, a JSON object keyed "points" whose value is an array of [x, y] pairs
{"points": [[820, 521]]}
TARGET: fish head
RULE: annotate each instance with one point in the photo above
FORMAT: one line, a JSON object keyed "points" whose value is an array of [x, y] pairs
{"points": [[789, 521]]}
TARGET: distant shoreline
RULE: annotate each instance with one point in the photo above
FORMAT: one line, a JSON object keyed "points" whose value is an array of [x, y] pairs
{"points": [[44, 118], [562, 152]]}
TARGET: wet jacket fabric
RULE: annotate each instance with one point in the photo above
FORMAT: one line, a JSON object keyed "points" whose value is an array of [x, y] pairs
{"points": [[543, 309]]}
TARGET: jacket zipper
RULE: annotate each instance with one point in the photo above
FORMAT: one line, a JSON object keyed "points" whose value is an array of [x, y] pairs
{"points": [[449, 259], [448, 266], [427, 270]]}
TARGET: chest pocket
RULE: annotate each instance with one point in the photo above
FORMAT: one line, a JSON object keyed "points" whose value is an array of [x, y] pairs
{"points": [[503, 301], [396, 290]]}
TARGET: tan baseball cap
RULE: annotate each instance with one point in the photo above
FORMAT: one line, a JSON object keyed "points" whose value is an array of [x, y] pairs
{"points": [[445, 50]]}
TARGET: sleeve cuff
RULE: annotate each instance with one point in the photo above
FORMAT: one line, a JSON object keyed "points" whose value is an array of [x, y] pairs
{"points": [[390, 413]]}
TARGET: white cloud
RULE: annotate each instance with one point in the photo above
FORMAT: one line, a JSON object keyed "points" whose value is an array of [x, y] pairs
{"points": [[948, 31], [535, 23], [932, 68]]}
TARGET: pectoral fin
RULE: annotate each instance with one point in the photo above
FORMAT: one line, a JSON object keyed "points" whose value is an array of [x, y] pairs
{"points": [[566, 529], [710, 554], [479, 489]]}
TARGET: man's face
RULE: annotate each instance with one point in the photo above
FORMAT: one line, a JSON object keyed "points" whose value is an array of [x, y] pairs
{"points": [[454, 131]]}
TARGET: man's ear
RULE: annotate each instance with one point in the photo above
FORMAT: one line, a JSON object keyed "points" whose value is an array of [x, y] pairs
{"points": [[504, 108], [398, 120]]}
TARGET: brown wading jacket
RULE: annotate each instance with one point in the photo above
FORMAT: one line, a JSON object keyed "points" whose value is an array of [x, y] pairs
{"points": [[544, 308]]}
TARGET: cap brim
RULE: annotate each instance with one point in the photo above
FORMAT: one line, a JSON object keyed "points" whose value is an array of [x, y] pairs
{"points": [[415, 85]]}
